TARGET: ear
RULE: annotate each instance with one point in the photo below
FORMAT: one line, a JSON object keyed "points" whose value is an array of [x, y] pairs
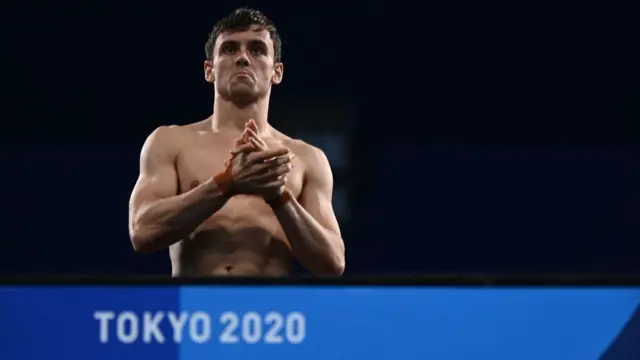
{"points": [[278, 71], [208, 71]]}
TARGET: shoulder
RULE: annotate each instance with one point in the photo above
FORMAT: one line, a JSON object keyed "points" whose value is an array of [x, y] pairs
{"points": [[163, 138], [314, 161], [172, 136], [168, 140], [165, 132], [311, 155]]}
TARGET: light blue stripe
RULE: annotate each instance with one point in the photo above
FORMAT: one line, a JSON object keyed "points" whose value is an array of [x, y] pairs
{"points": [[420, 323]]}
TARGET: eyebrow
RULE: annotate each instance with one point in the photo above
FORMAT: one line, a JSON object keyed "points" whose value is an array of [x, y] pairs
{"points": [[232, 31], [235, 42]]}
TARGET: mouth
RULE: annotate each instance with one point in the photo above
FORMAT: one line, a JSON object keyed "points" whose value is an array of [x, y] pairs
{"points": [[242, 73]]}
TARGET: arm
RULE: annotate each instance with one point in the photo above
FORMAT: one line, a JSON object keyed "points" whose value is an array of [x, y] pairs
{"points": [[158, 216], [310, 224]]}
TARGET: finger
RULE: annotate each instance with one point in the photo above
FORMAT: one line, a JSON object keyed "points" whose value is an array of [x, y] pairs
{"points": [[261, 156], [241, 140], [276, 184], [254, 133], [245, 136], [264, 179], [281, 171], [256, 144], [245, 148], [251, 124], [281, 160], [268, 166], [273, 173], [257, 140]]}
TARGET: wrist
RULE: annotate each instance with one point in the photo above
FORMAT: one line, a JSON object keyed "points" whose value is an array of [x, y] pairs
{"points": [[223, 182], [280, 199]]}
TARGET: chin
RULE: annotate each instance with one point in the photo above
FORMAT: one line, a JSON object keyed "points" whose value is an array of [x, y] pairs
{"points": [[242, 98], [243, 95]]}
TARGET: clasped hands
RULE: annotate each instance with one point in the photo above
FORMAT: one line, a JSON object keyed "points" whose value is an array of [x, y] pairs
{"points": [[256, 169]]}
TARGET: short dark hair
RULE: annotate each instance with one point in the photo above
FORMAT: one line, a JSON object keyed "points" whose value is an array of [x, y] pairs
{"points": [[240, 20]]}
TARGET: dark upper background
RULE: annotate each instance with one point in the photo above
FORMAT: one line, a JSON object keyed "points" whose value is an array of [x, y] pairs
{"points": [[463, 138]]}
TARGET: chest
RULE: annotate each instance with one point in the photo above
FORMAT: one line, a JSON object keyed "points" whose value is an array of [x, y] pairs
{"points": [[199, 162]]}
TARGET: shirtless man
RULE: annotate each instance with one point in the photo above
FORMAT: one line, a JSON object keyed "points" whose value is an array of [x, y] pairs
{"points": [[231, 195]]}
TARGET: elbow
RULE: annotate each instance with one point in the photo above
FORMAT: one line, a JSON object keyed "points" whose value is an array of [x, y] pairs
{"points": [[326, 267], [337, 270], [340, 262], [150, 239], [144, 235], [337, 263], [139, 243], [140, 240], [338, 267], [333, 267]]}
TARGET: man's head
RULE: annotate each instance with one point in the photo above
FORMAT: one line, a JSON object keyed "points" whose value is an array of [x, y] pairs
{"points": [[243, 56]]}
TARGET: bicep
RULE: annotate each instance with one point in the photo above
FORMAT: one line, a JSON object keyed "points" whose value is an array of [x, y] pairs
{"points": [[317, 192], [158, 177]]}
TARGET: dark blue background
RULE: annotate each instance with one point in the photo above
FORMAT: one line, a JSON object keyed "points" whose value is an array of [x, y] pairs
{"points": [[463, 138]]}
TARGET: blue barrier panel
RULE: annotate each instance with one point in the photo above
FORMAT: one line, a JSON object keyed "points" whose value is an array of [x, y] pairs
{"points": [[62, 322], [317, 322]]}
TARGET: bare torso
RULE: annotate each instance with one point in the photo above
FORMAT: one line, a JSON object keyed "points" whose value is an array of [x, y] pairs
{"points": [[242, 238]]}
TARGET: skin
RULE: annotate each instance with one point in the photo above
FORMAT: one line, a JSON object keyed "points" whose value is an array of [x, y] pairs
{"points": [[177, 204]]}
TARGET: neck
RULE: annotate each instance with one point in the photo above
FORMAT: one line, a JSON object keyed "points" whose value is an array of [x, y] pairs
{"points": [[230, 116]]}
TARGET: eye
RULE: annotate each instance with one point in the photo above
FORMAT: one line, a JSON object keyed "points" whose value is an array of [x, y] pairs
{"points": [[228, 49], [257, 49]]}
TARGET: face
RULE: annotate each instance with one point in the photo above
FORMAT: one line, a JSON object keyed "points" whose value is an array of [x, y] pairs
{"points": [[243, 67]]}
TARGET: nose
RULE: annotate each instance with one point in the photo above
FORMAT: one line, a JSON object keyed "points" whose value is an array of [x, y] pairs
{"points": [[242, 60]]}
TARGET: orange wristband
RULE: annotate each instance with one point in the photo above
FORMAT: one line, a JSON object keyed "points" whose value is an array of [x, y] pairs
{"points": [[223, 180], [284, 198]]}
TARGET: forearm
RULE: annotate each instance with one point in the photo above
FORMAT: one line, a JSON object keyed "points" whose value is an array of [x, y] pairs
{"points": [[167, 221], [317, 249]]}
